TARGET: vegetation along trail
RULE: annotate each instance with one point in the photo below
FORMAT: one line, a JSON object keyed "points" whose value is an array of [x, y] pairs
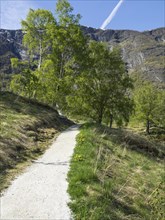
{"points": [[41, 192]]}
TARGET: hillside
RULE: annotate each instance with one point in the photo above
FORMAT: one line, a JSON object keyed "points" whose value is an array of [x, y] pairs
{"points": [[26, 130], [116, 174], [142, 51]]}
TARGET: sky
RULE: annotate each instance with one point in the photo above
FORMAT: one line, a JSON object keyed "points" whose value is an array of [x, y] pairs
{"points": [[133, 14]]}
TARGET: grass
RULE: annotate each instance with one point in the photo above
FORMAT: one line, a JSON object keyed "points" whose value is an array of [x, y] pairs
{"points": [[26, 130], [116, 175]]}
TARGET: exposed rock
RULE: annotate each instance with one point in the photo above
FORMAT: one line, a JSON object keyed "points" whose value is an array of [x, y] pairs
{"points": [[142, 51]]}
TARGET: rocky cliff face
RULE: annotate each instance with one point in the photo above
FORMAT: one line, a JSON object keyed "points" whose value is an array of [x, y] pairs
{"points": [[142, 51], [10, 46]]}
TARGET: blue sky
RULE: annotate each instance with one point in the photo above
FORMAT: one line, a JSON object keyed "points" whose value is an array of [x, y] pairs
{"points": [[133, 14]]}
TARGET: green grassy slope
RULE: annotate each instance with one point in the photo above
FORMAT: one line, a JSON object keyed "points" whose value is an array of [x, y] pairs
{"points": [[26, 129], [116, 175]]}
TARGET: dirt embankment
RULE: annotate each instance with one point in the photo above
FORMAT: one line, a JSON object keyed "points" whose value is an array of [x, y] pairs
{"points": [[26, 130]]}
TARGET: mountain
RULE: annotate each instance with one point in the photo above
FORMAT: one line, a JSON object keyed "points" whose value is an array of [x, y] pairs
{"points": [[10, 46], [142, 51]]}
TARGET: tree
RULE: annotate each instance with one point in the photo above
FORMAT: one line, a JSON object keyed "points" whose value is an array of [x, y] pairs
{"points": [[36, 38], [69, 51], [48, 83], [161, 115], [119, 110], [99, 88], [65, 14], [120, 105], [59, 47], [149, 105], [24, 81]]}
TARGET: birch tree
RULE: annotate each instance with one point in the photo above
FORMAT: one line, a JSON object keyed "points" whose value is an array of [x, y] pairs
{"points": [[36, 38]]}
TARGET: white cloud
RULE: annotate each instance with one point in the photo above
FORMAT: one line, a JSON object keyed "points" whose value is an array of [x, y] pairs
{"points": [[13, 11]]}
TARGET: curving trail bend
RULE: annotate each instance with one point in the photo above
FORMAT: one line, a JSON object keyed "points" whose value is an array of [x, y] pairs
{"points": [[41, 192]]}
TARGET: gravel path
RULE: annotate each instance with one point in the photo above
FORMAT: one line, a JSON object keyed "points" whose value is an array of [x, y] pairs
{"points": [[41, 192]]}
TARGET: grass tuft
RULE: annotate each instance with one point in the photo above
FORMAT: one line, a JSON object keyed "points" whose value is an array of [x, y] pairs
{"points": [[26, 130], [115, 180]]}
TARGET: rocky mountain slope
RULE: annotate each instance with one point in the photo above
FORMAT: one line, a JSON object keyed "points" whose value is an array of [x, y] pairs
{"points": [[142, 51]]}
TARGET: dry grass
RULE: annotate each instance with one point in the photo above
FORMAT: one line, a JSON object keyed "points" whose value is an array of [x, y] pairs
{"points": [[120, 177], [26, 130]]}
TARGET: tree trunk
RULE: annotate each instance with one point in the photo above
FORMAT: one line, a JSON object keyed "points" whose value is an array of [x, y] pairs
{"points": [[40, 58], [111, 121], [100, 117], [148, 126], [62, 66]]}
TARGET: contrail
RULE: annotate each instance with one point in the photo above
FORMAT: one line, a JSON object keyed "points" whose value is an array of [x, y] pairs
{"points": [[111, 16]]}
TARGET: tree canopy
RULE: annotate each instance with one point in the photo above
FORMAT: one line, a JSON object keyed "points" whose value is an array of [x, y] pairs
{"points": [[36, 37], [101, 90], [150, 105], [75, 75]]}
